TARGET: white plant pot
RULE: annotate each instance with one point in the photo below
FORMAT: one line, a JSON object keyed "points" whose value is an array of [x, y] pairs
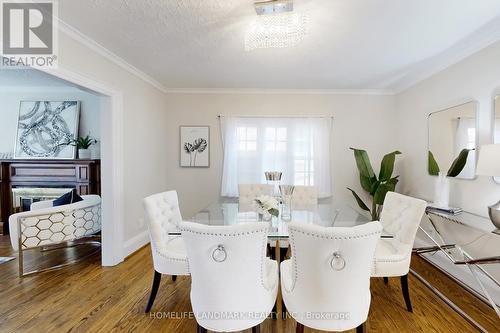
{"points": [[442, 191], [84, 154]]}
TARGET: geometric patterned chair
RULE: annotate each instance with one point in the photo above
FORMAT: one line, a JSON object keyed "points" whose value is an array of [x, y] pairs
{"points": [[45, 225]]}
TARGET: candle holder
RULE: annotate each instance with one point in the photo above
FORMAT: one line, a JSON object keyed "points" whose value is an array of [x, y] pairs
{"points": [[286, 197]]}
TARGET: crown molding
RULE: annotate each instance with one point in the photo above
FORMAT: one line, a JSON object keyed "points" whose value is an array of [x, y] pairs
{"points": [[98, 48], [475, 42], [256, 91], [39, 89]]}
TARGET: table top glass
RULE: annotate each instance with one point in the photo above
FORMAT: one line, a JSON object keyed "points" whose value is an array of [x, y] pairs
{"points": [[229, 212]]}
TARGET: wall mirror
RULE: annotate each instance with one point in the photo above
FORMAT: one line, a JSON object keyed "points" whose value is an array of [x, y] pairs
{"points": [[450, 131], [496, 125]]}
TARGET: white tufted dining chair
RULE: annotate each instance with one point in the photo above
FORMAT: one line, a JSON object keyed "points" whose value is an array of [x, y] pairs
{"points": [[329, 275], [248, 192], [400, 217], [169, 254], [233, 284], [304, 197]]}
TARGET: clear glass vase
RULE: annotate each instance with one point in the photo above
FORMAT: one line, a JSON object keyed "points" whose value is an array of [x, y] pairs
{"points": [[286, 201]]}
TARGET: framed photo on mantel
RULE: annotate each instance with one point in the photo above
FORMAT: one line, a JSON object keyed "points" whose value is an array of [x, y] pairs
{"points": [[195, 146]]}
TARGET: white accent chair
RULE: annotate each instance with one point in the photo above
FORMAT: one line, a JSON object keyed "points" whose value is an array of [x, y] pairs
{"points": [[400, 217], [304, 197], [248, 192], [169, 254], [329, 274], [233, 284], [45, 226]]}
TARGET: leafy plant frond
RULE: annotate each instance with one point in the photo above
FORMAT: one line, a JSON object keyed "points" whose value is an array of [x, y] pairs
{"points": [[82, 142], [376, 187], [360, 202], [459, 163], [363, 163], [199, 145], [432, 165], [188, 148], [387, 165]]}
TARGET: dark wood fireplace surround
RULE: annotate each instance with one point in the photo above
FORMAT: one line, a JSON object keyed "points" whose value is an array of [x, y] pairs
{"points": [[83, 175]]}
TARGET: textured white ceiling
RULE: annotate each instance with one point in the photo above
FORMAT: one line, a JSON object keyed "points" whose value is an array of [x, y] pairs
{"points": [[351, 44]]}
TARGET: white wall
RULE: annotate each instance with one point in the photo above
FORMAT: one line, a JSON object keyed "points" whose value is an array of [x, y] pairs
{"points": [[475, 78], [362, 121], [144, 118], [90, 108]]}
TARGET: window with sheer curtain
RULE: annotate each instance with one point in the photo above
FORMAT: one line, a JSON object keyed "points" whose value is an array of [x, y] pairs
{"points": [[298, 147]]}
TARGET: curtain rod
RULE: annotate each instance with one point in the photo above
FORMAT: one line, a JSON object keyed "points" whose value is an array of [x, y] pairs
{"points": [[274, 116]]}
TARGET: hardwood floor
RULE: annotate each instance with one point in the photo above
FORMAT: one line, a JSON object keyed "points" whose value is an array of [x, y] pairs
{"points": [[89, 298]]}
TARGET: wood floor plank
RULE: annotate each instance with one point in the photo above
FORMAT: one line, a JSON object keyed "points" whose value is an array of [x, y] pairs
{"points": [[86, 297]]}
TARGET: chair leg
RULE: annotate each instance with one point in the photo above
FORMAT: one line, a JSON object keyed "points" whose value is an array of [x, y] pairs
{"points": [[300, 328], [386, 280], [361, 328], [256, 329], [174, 278], [200, 329], [274, 314], [406, 293], [154, 290], [283, 310]]}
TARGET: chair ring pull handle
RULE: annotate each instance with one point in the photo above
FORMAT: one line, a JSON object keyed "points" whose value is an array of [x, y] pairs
{"points": [[219, 254], [337, 263]]}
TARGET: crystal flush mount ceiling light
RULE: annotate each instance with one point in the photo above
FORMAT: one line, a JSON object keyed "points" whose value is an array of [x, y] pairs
{"points": [[276, 26]]}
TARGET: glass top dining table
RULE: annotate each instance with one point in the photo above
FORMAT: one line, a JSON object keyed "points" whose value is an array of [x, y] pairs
{"points": [[328, 214]]}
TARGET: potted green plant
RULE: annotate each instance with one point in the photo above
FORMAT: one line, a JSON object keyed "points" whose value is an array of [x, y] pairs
{"points": [[83, 144], [377, 187]]}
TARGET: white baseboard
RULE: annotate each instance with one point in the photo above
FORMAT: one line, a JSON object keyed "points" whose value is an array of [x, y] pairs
{"points": [[135, 243]]}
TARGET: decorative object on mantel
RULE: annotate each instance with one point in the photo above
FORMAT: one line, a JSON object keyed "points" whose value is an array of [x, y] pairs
{"points": [[267, 207], [44, 127], [195, 146], [376, 187], [83, 144], [489, 165], [442, 185], [286, 192]]}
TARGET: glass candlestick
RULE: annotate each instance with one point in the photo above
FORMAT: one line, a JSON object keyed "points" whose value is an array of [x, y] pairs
{"points": [[286, 197], [274, 178]]}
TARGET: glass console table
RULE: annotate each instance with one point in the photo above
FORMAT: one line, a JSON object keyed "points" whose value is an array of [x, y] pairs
{"points": [[464, 239]]}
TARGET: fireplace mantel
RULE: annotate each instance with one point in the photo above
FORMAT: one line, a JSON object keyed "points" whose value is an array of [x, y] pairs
{"points": [[83, 175]]}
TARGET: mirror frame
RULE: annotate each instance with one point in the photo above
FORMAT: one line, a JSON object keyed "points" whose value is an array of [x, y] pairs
{"points": [[476, 109], [496, 93]]}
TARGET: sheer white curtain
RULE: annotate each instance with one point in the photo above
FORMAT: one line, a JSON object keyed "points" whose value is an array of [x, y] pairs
{"points": [[298, 147], [465, 137]]}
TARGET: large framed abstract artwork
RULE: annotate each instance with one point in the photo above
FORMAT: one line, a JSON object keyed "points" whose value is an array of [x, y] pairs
{"points": [[195, 146], [44, 129]]}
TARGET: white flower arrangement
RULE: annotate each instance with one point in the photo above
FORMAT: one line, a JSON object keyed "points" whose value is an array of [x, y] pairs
{"points": [[267, 204]]}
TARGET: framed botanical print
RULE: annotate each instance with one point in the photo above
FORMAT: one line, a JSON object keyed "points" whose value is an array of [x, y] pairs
{"points": [[195, 146]]}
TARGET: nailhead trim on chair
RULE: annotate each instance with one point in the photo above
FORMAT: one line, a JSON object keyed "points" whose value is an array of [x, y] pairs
{"points": [[294, 261], [264, 245]]}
